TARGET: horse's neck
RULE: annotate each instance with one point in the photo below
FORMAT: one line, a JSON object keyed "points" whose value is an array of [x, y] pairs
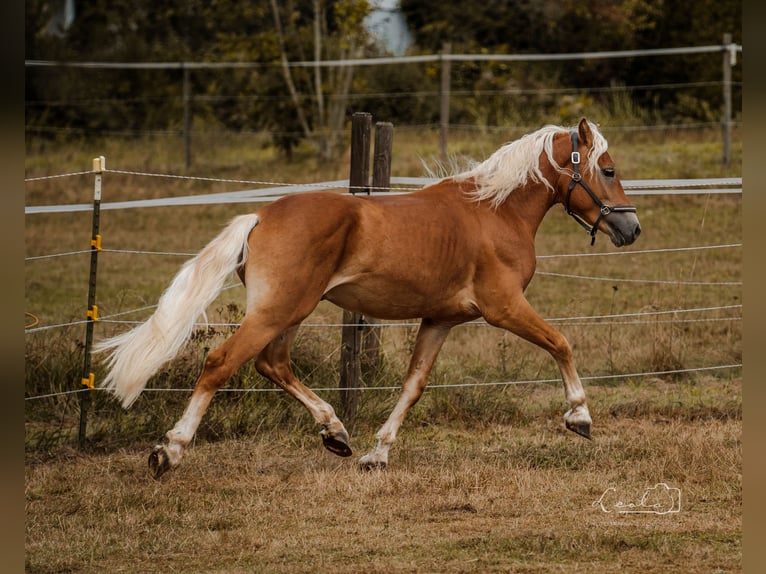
{"points": [[528, 204], [525, 206]]}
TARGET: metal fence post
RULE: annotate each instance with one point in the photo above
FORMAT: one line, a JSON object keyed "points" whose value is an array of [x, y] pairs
{"points": [[99, 166]]}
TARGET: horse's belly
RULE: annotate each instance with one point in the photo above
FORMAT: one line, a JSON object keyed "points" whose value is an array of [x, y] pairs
{"points": [[389, 300]]}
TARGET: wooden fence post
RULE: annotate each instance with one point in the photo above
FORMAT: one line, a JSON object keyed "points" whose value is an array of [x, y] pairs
{"points": [[444, 99], [187, 99], [729, 59], [351, 338], [381, 181]]}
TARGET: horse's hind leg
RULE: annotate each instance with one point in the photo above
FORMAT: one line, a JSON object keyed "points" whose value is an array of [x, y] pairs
{"points": [[220, 365], [274, 364]]}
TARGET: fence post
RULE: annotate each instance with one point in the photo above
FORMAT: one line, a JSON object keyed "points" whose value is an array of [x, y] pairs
{"points": [[729, 59], [187, 116], [351, 339], [99, 166], [381, 181], [444, 99], [381, 162]]}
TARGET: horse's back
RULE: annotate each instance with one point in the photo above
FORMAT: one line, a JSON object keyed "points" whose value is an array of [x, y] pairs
{"points": [[419, 224], [397, 256]]}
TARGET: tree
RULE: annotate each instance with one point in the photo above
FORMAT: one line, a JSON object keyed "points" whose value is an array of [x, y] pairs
{"points": [[570, 26], [678, 25], [297, 103], [497, 25], [193, 30], [337, 34]]}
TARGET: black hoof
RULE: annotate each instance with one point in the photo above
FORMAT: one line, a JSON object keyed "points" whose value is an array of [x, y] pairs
{"points": [[583, 429], [336, 443], [159, 463]]}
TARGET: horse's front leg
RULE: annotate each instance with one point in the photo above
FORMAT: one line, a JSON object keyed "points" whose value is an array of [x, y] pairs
{"points": [[518, 317], [428, 343]]}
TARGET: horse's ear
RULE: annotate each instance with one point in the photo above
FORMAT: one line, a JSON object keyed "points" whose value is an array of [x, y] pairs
{"points": [[583, 130]]}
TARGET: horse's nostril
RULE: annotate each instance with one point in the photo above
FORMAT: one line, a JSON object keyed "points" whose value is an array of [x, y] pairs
{"points": [[637, 231]]}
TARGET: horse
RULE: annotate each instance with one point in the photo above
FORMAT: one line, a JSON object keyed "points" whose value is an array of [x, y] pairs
{"points": [[460, 249]]}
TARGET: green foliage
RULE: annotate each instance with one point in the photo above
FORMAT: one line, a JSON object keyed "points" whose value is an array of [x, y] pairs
{"points": [[120, 101], [566, 26], [496, 25], [123, 100]]}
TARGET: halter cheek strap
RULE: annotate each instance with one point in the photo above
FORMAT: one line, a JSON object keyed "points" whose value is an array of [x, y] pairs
{"points": [[604, 210]]}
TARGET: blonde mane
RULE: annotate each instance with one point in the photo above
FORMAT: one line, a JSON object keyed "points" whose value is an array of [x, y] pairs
{"points": [[515, 163]]}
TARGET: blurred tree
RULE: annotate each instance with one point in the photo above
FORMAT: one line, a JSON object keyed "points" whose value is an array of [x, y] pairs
{"points": [[335, 32], [312, 103], [193, 30], [679, 24], [561, 26], [498, 25]]}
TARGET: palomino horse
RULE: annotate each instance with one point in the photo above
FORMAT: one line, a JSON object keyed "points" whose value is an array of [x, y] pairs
{"points": [[457, 250]]}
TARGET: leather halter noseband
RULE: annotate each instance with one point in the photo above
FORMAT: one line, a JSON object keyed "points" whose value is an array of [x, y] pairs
{"points": [[604, 209]]}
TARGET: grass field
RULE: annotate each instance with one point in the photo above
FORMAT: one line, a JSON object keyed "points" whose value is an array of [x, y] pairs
{"points": [[456, 497], [483, 479]]}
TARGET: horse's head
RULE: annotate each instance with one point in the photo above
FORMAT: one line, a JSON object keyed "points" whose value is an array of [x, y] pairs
{"points": [[590, 188]]}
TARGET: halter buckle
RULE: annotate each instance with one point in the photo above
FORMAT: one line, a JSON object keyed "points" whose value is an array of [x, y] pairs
{"points": [[605, 210], [575, 157]]}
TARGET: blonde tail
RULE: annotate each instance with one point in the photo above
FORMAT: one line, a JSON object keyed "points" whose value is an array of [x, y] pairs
{"points": [[136, 355]]}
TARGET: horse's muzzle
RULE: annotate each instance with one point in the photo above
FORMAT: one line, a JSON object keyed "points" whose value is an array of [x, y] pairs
{"points": [[624, 228]]}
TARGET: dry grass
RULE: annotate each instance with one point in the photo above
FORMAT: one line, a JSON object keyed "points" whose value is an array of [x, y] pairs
{"points": [[456, 498]]}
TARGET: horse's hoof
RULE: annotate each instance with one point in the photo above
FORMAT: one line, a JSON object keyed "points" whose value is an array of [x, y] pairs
{"points": [[583, 429], [159, 462], [372, 465], [336, 443]]}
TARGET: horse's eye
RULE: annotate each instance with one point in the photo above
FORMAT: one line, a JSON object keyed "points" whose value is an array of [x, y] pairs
{"points": [[608, 171]]}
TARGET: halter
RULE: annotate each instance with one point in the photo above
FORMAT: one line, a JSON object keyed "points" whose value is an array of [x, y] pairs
{"points": [[604, 209]]}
